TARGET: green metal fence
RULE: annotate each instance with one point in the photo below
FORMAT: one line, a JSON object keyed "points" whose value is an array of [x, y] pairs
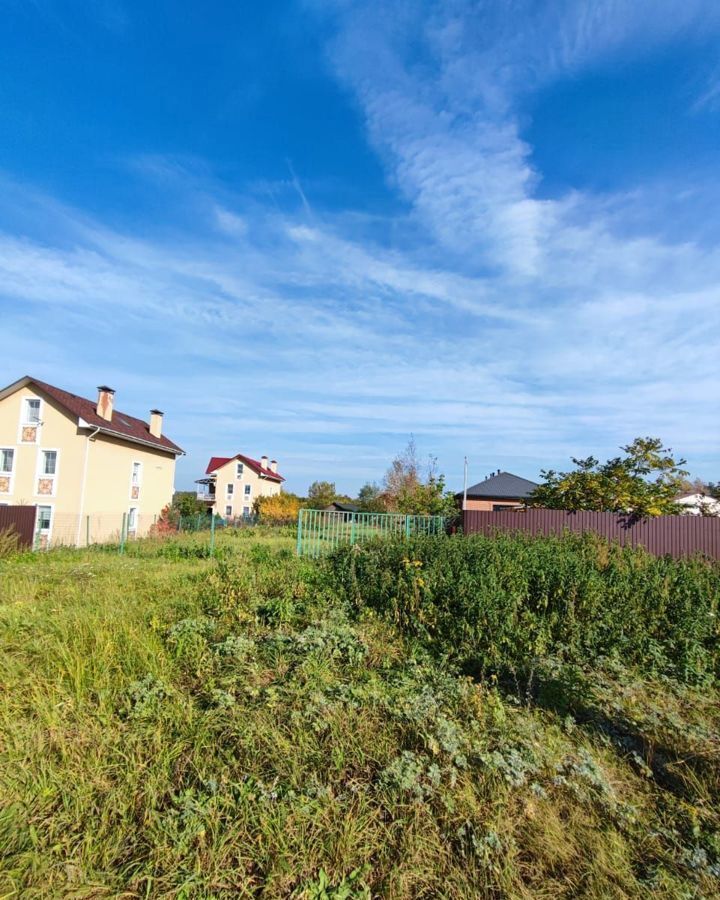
{"points": [[320, 531]]}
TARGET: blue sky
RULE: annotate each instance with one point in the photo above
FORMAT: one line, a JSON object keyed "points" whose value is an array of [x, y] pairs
{"points": [[311, 229]]}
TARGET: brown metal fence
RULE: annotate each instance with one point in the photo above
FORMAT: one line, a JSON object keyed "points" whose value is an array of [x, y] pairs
{"points": [[673, 535], [21, 519]]}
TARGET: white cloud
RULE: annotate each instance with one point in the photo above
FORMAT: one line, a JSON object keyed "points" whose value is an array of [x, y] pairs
{"points": [[517, 330]]}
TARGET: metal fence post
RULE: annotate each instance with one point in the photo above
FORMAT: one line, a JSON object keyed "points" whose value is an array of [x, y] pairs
{"points": [[407, 526], [36, 540], [122, 533], [299, 537], [352, 527]]}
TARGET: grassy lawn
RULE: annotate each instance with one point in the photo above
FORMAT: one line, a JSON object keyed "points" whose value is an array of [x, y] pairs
{"points": [[178, 726]]}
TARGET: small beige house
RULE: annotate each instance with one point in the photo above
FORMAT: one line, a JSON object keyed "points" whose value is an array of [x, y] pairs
{"points": [[86, 466], [233, 483]]}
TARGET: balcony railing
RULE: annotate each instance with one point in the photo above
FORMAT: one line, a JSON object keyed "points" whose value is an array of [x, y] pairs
{"points": [[206, 496]]}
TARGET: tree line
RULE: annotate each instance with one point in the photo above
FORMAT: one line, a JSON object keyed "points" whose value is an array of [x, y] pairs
{"points": [[644, 480]]}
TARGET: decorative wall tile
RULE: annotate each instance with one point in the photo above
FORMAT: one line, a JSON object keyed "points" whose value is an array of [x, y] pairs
{"points": [[29, 434], [4, 484], [45, 486], [135, 493]]}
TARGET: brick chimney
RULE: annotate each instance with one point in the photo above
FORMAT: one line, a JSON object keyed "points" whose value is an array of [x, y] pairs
{"points": [[273, 465], [156, 420], [264, 462], [105, 402]]}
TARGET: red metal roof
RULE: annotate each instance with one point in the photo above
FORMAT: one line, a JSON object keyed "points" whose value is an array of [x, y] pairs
{"points": [[216, 462], [121, 424]]}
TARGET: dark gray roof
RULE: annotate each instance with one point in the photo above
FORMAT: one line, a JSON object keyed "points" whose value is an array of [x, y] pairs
{"points": [[341, 506], [504, 485]]}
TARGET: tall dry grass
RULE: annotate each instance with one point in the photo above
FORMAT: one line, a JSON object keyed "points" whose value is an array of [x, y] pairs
{"points": [[173, 726]]}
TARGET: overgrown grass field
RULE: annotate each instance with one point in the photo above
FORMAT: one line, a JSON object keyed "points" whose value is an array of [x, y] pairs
{"points": [[445, 717]]}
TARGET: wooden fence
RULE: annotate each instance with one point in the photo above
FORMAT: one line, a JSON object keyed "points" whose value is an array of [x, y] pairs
{"points": [[673, 535], [22, 519]]}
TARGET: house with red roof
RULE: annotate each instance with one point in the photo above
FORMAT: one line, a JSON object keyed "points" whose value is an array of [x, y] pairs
{"points": [[91, 470], [233, 483]]}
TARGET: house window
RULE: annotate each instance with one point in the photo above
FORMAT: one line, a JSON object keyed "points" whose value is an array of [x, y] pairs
{"points": [[44, 520], [47, 473], [228, 510], [132, 519], [248, 490], [48, 462], [246, 512], [230, 489], [29, 421], [32, 412], [7, 457], [239, 470], [135, 480], [498, 507], [6, 461]]}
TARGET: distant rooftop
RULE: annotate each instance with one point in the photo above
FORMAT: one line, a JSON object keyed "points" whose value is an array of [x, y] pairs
{"points": [[502, 486]]}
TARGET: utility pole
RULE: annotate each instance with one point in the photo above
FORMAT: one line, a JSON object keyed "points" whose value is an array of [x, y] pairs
{"points": [[465, 486]]}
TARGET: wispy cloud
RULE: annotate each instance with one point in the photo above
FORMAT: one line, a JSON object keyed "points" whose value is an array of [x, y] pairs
{"points": [[516, 329], [708, 99]]}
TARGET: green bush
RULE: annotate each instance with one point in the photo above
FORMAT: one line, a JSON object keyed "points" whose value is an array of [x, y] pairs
{"points": [[501, 603]]}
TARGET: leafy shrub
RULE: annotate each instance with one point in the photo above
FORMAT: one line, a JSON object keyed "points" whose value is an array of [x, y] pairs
{"points": [[498, 604]]}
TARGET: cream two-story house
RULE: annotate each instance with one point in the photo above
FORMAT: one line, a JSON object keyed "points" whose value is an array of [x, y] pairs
{"points": [[90, 469], [233, 483]]}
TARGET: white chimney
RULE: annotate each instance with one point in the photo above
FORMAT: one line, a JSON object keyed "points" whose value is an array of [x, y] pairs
{"points": [[273, 465], [156, 420], [264, 462], [105, 402]]}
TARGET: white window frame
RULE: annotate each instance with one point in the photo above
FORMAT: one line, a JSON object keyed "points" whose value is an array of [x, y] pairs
{"points": [[248, 491], [229, 491], [40, 474], [26, 420], [44, 451], [23, 423], [239, 469], [132, 529], [228, 507], [39, 532], [11, 473], [133, 483], [246, 512]]}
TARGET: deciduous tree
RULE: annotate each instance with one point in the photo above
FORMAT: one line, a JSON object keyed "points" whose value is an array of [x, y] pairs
{"points": [[413, 489], [277, 509], [643, 482], [370, 498], [321, 494]]}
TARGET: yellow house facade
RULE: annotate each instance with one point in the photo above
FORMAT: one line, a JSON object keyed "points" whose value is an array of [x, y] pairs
{"points": [[233, 483], [89, 469]]}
